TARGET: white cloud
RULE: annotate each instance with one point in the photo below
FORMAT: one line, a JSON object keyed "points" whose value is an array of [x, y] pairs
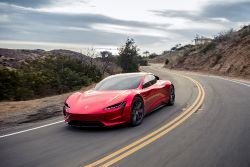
{"points": [[4, 18], [129, 30], [83, 22], [187, 24]]}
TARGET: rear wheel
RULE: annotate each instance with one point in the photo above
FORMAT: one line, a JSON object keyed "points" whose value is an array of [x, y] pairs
{"points": [[137, 113], [171, 96]]}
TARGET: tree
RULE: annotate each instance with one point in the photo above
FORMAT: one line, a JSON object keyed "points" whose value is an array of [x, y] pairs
{"points": [[165, 52], [166, 61], [106, 58], [152, 55], [146, 53], [142, 61], [92, 54], [175, 47], [128, 56], [105, 54], [9, 81]]}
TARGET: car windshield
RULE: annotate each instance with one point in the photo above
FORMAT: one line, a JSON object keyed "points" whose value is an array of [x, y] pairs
{"points": [[119, 82]]}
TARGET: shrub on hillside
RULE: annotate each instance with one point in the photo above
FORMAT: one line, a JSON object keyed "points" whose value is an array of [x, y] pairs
{"points": [[166, 62], [48, 76], [9, 82], [142, 61], [224, 36], [209, 46], [245, 31], [152, 55]]}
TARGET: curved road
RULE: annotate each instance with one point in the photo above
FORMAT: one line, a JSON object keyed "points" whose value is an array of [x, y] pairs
{"points": [[218, 134]]}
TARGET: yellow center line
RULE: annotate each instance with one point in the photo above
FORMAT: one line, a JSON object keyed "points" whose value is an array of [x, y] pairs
{"points": [[135, 146]]}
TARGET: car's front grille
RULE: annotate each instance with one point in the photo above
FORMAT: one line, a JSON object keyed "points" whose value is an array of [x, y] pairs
{"points": [[86, 124]]}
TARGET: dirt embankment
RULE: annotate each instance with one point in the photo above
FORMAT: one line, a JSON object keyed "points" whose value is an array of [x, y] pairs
{"points": [[16, 113], [231, 60], [228, 54]]}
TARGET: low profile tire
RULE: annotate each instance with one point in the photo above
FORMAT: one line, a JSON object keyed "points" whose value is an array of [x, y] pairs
{"points": [[171, 96], [137, 113]]}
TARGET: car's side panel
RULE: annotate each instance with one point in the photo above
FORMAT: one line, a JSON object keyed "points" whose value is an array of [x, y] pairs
{"points": [[164, 90], [148, 98], [159, 95]]}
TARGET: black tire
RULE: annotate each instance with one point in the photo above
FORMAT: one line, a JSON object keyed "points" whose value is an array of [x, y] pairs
{"points": [[137, 113], [171, 96]]}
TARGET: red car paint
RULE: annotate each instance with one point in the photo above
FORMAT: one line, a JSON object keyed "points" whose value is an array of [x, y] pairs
{"points": [[89, 107]]}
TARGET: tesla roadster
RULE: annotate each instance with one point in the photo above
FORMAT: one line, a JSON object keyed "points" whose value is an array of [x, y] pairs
{"points": [[119, 99]]}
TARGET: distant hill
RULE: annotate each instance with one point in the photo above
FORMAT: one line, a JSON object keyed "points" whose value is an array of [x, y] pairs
{"points": [[14, 57]]}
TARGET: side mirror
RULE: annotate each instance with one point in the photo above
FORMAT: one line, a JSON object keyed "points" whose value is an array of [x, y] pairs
{"points": [[157, 78]]}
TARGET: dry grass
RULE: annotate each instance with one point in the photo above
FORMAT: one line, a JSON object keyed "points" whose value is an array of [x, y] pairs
{"points": [[30, 105]]}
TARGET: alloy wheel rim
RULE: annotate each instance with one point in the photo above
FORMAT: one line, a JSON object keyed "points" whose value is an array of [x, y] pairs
{"points": [[138, 112], [172, 96]]}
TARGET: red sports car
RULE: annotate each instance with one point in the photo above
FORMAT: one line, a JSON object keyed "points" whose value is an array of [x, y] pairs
{"points": [[119, 99]]}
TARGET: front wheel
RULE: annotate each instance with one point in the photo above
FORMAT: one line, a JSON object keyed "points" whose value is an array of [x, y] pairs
{"points": [[137, 113], [171, 96]]}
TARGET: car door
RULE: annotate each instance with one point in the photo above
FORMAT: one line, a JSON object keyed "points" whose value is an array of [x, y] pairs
{"points": [[157, 92], [149, 92]]}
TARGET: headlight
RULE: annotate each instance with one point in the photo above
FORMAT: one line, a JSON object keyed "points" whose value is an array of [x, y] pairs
{"points": [[118, 105], [66, 105]]}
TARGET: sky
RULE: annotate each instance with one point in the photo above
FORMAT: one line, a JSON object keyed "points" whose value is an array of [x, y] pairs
{"points": [[155, 25]]}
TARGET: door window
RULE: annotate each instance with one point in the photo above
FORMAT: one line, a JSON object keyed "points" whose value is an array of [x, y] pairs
{"points": [[149, 80]]}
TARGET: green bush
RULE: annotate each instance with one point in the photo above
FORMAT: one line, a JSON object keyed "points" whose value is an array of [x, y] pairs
{"points": [[9, 82], [224, 36], [245, 31], [142, 61], [49, 76], [152, 55], [128, 57], [166, 61], [209, 46], [23, 93]]}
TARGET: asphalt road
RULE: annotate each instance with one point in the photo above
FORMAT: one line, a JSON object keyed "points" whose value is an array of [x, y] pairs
{"points": [[218, 134]]}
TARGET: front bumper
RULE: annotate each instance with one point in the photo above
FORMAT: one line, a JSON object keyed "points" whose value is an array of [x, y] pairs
{"points": [[101, 118]]}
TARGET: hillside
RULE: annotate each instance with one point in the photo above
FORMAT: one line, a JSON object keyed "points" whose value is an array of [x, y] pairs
{"points": [[30, 74], [228, 54], [15, 57]]}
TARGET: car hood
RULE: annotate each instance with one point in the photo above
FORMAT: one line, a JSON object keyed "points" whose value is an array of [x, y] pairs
{"points": [[95, 101]]}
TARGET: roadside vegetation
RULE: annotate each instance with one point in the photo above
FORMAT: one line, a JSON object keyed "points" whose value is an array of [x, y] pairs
{"points": [[43, 77], [128, 56], [61, 71]]}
